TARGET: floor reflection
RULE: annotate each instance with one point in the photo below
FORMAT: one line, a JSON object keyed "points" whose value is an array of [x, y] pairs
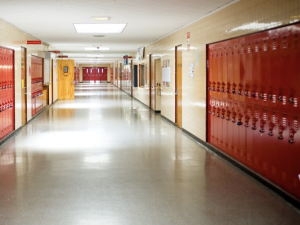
{"points": [[105, 158]]}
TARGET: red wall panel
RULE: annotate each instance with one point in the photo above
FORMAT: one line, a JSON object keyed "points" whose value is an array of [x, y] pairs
{"points": [[253, 108]]}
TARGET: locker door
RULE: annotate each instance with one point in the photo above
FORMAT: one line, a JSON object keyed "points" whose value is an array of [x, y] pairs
{"points": [[214, 72], [1, 93], [235, 128], [99, 74], [242, 135], [248, 70], [105, 73], [280, 145], [264, 142], [219, 70], [256, 151], [230, 127], [285, 70], [209, 118], [224, 73], [230, 81], [249, 135], [213, 121], [265, 66], [295, 71], [256, 71], [236, 71], [218, 124], [224, 125], [274, 157], [294, 140], [242, 72]]}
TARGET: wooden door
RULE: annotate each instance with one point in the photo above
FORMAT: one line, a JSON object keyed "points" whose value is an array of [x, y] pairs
{"points": [[152, 83], [65, 79], [157, 75], [24, 85], [151, 80], [178, 86]]}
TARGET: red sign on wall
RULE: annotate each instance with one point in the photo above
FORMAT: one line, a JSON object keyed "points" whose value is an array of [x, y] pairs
{"points": [[34, 42]]}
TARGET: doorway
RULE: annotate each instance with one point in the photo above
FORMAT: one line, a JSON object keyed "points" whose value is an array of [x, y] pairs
{"points": [[178, 86], [24, 85]]}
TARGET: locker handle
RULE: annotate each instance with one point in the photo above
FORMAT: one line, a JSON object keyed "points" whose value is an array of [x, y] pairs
{"points": [[270, 96], [261, 95], [291, 100]]}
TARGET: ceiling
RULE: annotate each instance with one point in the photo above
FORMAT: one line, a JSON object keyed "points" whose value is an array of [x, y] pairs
{"points": [[147, 20]]}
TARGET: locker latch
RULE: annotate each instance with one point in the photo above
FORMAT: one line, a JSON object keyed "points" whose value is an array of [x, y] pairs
{"points": [[239, 123], [254, 123], [280, 98], [228, 88], [213, 86], [291, 100], [223, 87], [213, 111], [233, 117], [261, 95], [292, 134], [228, 115], [233, 88], [218, 86], [218, 112], [281, 129], [240, 89], [262, 126], [271, 127], [270, 96], [247, 118], [223, 114]]}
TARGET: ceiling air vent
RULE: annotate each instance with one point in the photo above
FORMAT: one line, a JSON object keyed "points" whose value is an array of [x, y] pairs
{"points": [[98, 36]]}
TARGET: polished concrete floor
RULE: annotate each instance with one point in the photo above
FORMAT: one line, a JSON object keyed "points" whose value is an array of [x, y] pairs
{"points": [[105, 159]]}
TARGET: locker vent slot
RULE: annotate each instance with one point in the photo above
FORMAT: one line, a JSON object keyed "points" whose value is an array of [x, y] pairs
{"points": [[296, 124], [284, 43], [296, 43], [274, 44]]}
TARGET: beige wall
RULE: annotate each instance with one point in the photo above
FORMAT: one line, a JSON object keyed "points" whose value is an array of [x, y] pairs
{"points": [[218, 26], [94, 65], [12, 38]]}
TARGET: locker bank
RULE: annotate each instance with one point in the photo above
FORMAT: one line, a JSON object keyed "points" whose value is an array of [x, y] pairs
{"points": [[153, 112]]}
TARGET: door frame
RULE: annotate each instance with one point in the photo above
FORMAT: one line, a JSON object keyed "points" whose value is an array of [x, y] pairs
{"points": [[176, 86]]}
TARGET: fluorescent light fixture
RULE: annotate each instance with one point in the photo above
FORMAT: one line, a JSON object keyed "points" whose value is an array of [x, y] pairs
{"points": [[101, 18], [96, 48], [95, 28], [95, 55]]}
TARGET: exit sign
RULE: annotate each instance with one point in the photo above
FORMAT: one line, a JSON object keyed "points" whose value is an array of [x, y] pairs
{"points": [[34, 42]]}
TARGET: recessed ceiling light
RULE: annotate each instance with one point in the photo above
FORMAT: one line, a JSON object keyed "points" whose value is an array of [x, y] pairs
{"points": [[99, 28], [100, 18], [96, 48]]}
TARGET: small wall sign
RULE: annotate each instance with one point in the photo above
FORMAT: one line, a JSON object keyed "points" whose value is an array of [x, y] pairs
{"points": [[65, 69]]}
